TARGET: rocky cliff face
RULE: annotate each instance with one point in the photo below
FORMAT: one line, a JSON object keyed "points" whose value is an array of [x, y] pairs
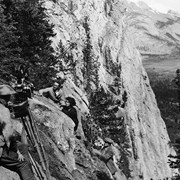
{"points": [[96, 49], [101, 22]]}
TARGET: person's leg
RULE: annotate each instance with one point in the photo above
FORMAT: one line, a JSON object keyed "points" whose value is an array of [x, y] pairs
{"points": [[26, 173], [23, 168]]}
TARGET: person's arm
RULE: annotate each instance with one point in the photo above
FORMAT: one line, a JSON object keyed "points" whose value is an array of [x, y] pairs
{"points": [[46, 90], [52, 95], [98, 154], [20, 156], [24, 136]]}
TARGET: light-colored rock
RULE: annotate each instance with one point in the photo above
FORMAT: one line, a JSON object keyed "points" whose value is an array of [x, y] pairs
{"points": [[8, 175], [109, 35], [58, 126], [112, 42]]}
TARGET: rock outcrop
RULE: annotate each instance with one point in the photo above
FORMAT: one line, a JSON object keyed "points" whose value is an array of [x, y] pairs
{"points": [[113, 47], [103, 49]]}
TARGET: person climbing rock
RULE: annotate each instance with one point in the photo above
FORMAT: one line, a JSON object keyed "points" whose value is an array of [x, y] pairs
{"points": [[176, 80], [55, 92], [107, 154], [70, 110]]}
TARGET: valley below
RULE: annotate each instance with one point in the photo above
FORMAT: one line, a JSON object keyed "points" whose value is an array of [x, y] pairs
{"points": [[165, 66], [161, 71]]}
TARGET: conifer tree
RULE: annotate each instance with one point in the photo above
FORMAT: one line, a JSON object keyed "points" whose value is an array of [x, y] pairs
{"points": [[9, 49], [34, 32]]}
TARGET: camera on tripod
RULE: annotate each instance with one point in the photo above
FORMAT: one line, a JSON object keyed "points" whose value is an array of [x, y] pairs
{"points": [[23, 92]]}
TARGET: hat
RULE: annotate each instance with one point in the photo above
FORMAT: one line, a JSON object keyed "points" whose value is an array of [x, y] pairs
{"points": [[108, 140], [6, 90]]}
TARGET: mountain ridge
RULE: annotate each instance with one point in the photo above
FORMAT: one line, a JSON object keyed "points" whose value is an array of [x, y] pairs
{"points": [[154, 32]]}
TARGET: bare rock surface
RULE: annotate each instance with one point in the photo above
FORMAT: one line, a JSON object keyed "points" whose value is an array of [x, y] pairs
{"points": [[101, 24]]}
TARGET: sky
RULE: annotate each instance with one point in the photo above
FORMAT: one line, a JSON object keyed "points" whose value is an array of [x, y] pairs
{"points": [[162, 5]]}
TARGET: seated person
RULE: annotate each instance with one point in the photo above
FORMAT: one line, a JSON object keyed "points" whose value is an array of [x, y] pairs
{"points": [[54, 92], [14, 155], [70, 110]]}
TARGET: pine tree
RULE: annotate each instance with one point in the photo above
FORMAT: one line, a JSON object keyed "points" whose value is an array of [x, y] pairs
{"points": [[9, 49], [34, 32], [174, 160], [91, 63]]}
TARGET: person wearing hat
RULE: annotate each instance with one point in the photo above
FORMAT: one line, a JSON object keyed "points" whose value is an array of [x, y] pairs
{"points": [[55, 92], [10, 156], [107, 155], [70, 110], [6, 92]]}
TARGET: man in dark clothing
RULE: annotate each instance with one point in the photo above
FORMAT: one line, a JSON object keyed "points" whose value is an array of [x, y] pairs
{"points": [[13, 153], [14, 156], [70, 110]]}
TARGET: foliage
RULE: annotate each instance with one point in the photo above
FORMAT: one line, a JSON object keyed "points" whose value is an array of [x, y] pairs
{"points": [[91, 64], [166, 96], [33, 42], [66, 62], [9, 50], [102, 122]]}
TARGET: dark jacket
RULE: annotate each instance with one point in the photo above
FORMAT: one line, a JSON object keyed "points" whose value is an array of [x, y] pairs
{"points": [[72, 113]]}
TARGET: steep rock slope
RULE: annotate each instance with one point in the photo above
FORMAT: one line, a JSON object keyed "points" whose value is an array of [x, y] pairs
{"points": [[100, 23], [97, 47]]}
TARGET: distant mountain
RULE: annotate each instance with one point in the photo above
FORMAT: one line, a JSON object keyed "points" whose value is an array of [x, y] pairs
{"points": [[153, 32]]}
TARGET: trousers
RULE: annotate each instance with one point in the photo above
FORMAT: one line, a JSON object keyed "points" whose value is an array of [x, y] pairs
{"points": [[23, 168]]}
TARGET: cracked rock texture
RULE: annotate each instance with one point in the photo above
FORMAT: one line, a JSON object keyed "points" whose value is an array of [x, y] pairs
{"points": [[100, 23]]}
